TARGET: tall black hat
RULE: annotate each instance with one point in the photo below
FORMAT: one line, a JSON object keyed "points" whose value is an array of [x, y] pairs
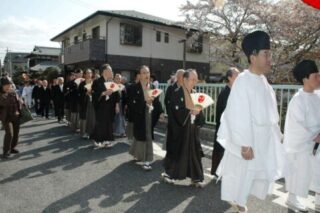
{"points": [[255, 41]]}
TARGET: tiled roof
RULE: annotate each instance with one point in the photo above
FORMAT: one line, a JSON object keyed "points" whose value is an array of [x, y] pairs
{"points": [[127, 14], [49, 51], [140, 15]]}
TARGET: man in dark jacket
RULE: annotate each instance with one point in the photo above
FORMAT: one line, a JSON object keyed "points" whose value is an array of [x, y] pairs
{"points": [[45, 98], [36, 97], [58, 96]]}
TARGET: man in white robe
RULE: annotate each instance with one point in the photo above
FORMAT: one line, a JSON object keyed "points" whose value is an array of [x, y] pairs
{"points": [[249, 130], [27, 94], [302, 130]]}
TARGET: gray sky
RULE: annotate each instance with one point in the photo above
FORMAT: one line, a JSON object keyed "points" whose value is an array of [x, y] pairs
{"points": [[26, 23]]}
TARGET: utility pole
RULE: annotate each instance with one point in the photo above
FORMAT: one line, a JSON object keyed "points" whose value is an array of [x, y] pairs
{"points": [[184, 52], [10, 62]]}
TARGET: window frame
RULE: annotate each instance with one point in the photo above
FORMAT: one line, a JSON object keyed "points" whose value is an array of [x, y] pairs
{"points": [[166, 38], [131, 40]]}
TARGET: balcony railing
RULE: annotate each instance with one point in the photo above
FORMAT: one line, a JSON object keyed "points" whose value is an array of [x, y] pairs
{"points": [[87, 50]]}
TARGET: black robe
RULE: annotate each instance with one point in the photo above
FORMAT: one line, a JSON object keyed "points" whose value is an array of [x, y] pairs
{"points": [[36, 97], [168, 95], [57, 95], [128, 102], [83, 100], [67, 93], [45, 98], [138, 107], [36, 92], [170, 90], [104, 110], [123, 98], [218, 150], [58, 100], [184, 152], [74, 97], [45, 95]]}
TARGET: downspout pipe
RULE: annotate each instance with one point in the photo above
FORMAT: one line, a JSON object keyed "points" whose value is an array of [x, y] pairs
{"points": [[107, 39]]}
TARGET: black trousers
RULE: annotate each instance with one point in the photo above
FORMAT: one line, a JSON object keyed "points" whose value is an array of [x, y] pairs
{"points": [[11, 137], [44, 106], [55, 108], [37, 107], [59, 110]]}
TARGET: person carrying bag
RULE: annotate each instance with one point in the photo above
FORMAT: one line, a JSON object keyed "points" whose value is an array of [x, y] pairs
{"points": [[10, 111]]}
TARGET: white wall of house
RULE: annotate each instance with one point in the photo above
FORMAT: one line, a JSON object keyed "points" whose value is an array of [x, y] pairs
{"points": [[150, 47]]}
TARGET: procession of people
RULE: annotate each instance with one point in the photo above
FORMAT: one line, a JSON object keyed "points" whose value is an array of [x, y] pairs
{"points": [[249, 151]]}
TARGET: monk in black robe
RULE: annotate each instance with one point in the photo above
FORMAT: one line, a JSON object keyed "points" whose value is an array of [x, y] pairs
{"points": [[170, 90], [146, 112], [184, 152], [106, 105], [218, 150]]}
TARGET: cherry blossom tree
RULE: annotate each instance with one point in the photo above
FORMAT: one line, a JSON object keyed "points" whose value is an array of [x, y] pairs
{"points": [[293, 26]]}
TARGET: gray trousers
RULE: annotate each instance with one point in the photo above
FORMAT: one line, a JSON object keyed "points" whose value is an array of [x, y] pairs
{"points": [[74, 120]]}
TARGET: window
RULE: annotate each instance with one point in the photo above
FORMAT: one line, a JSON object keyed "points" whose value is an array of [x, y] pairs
{"points": [[84, 36], [130, 34], [76, 40], [158, 39], [166, 37], [194, 42], [96, 33], [66, 42]]}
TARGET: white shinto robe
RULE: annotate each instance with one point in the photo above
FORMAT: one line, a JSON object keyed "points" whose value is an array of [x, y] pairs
{"points": [[250, 119], [27, 95], [301, 128]]}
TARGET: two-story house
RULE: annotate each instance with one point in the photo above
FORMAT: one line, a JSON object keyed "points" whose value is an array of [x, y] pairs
{"points": [[129, 39]]}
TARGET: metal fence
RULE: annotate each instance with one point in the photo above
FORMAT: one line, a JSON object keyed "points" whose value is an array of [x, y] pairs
{"points": [[283, 93]]}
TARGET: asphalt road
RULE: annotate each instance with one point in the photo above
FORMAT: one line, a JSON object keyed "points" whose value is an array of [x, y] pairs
{"points": [[57, 171]]}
